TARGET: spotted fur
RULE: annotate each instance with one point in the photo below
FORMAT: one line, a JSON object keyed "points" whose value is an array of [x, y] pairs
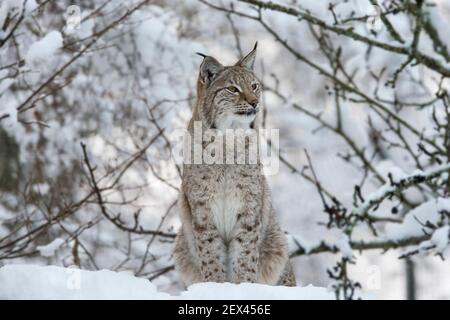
{"points": [[229, 229]]}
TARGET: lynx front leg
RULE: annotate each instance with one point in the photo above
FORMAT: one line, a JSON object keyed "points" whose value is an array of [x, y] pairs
{"points": [[209, 245], [244, 253]]}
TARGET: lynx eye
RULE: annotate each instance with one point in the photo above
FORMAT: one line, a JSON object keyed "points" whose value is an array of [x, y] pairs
{"points": [[233, 89], [255, 86]]}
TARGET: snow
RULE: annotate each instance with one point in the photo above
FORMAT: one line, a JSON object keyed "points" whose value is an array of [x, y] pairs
{"points": [[13, 6], [246, 291], [344, 246], [3, 12], [373, 197], [443, 204], [49, 249], [397, 174], [51, 282], [294, 241], [30, 6], [41, 188], [335, 239], [46, 47], [10, 109], [438, 242], [410, 225], [441, 238], [6, 83], [378, 195]]}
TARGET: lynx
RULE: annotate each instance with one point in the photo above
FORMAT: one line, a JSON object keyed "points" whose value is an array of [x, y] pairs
{"points": [[229, 230]]}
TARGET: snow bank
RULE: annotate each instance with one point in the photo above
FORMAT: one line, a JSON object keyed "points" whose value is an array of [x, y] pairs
{"points": [[246, 291], [51, 282]]}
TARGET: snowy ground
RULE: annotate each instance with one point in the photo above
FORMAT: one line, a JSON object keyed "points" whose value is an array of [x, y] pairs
{"points": [[51, 282]]}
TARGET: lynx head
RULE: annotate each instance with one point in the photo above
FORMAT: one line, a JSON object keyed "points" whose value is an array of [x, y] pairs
{"points": [[230, 94]]}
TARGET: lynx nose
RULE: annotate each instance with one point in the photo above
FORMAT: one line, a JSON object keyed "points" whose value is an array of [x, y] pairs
{"points": [[253, 103]]}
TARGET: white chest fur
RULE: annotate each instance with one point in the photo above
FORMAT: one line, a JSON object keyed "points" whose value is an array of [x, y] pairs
{"points": [[225, 207]]}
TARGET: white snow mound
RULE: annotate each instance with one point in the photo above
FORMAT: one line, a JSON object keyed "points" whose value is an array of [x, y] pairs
{"points": [[51, 282]]}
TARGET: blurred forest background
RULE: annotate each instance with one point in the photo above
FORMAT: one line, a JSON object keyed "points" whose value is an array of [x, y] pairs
{"points": [[93, 91]]}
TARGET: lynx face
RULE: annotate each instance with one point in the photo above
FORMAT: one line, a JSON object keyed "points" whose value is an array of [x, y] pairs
{"points": [[232, 93]]}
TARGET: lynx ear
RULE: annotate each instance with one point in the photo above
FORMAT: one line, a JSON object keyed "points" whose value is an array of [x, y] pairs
{"points": [[209, 69], [249, 60]]}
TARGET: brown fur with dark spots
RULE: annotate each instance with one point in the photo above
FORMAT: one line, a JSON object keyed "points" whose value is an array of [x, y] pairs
{"points": [[229, 229]]}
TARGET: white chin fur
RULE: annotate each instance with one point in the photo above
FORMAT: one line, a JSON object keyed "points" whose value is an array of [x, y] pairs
{"points": [[235, 121]]}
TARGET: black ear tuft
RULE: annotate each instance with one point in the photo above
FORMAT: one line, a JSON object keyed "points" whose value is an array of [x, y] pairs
{"points": [[201, 54], [249, 60]]}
